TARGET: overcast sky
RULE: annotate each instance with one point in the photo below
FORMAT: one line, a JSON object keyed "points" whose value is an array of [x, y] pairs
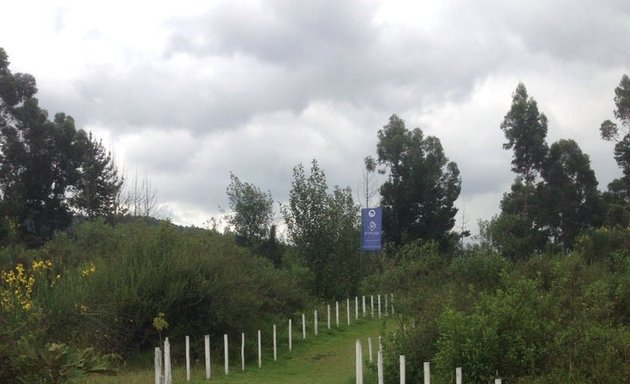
{"points": [[187, 91]]}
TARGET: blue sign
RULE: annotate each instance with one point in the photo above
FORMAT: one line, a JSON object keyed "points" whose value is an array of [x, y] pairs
{"points": [[371, 229]]}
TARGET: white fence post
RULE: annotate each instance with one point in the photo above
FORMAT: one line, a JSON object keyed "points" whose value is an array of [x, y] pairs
{"points": [[380, 344], [497, 381], [290, 335], [386, 306], [337, 313], [458, 375], [359, 363], [379, 367], [242, 351], [427, 373], [356, 308], [370, 349], [187, 358], [208, 364], [168, 373], [315, 321], [303, 327], [363, 298], [379, 306], [259, 351], [226, 350], [372, 305], [348, 310], [402, 369], [275, 349], [158, 366]]}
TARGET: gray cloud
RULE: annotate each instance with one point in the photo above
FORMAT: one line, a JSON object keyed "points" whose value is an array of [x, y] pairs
{"points": [[255, 88]]}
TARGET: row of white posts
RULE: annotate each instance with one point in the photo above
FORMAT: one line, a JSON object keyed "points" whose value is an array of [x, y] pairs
{"points": [[379, 365], [163, 370]]}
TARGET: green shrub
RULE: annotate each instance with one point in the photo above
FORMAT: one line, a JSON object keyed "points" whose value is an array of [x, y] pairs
{"points": [[57, 363], [118, 279], [600, 244], [506, 332]]}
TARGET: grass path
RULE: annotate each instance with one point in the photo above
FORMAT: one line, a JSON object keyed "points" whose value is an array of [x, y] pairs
{"points": [[327, 358]]}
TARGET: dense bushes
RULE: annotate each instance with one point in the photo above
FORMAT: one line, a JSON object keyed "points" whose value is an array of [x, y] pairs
{"points": [[111, 282], [549, 319]]}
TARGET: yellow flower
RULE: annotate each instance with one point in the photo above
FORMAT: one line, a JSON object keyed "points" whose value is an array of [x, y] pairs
{"points": [[90, 269]]}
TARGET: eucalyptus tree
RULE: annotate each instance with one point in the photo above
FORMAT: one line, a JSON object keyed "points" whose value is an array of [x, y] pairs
{"points": [[418, 198], [618, 195]]}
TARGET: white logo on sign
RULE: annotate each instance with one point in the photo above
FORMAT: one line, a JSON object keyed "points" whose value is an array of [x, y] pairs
{"points": [[372, 225], [371, 213]]}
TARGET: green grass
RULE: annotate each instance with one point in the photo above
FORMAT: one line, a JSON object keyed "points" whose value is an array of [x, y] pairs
{"points": [[327, 358]]}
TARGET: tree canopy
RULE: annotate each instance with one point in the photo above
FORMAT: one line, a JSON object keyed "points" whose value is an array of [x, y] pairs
{"points": [[323, 226], [525, 129], [554, 197], [253, 209], [48, 169], [418, 197], [618, 195]]}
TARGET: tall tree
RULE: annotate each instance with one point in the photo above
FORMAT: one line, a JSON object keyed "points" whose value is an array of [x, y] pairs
{"points": [[418, 197], [554, 196], [519, 230], [571, 202], [323, 227], [525, 129], [98, 184], [618, 195], [37, 163], [252, 209], [44, 164]]}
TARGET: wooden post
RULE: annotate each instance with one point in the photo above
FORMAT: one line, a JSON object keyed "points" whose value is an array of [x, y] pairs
{"points": [[379, 306], [348, 310], [359, 363], [158, 366], [337, 313], [315, 321], [290, 335], [275, 349], [363, 306], [458, 375], [328, 306], [402, 369], [242, 351], [379, 367], [187, 358], [208, 364], [372, 305], [259, 351], [427, 373], [370, 349], [168, 373], [303, 327], [356, 308], [225, 350]]}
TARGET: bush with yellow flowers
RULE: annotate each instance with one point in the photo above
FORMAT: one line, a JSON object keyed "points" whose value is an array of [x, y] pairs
{"points": [[25, 356], [17, 285]]}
